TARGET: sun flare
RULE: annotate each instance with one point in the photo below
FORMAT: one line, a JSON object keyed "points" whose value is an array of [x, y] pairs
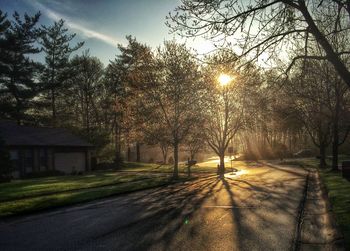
{"points": [[224, 79]]}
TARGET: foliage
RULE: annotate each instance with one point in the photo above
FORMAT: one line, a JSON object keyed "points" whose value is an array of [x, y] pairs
{"points": [[55, 44], [173, 97], [18, 86]]}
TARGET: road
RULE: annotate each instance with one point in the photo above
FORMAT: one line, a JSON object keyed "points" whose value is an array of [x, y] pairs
{"points": [[256, 209]]}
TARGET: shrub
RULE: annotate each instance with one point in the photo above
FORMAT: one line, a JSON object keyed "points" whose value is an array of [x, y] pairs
{"points": [[5, 163]]}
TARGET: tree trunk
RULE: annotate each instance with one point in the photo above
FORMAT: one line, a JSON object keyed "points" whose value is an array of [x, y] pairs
{"points": [[335, 146], [188, 168], [332, 56], [164, 149], [222, 164], [53, 107], [192, 155], [129, 153], [138, 156], [118, 159], [176, 161], [335, 142], [323, 156]]}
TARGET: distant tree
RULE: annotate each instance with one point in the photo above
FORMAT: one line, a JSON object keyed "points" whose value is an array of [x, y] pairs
{"points": [[172, 93], [224, 105], [130, 69], [82, 95], [112, 103], [156, 134], [56, 45], [195, 141], [312, 106], [18, 76]]}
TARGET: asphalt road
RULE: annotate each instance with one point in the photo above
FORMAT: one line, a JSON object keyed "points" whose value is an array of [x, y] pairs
{"points": [[257, 209]]}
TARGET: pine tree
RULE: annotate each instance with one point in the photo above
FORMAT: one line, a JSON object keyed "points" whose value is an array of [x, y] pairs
{"points": [[56, 44], [18, 72]]}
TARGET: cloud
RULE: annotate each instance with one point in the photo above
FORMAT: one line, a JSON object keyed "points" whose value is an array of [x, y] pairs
{"points": [[79, 28]]}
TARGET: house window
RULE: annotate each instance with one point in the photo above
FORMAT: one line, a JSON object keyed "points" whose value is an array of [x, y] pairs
{"points": [[28, 160], [14, 157], [42, 159]]}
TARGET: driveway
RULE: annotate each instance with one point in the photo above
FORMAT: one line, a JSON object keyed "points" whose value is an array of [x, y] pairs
{"points": [[256, 209]]}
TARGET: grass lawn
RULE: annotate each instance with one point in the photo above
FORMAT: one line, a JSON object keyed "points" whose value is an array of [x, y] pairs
{"points": [[338, 193], [29, 195], [19, 189], [37, 203]]}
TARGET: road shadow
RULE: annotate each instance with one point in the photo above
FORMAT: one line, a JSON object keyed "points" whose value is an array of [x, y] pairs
{"points": [[165, 212], [263, 216], [174, 218]]}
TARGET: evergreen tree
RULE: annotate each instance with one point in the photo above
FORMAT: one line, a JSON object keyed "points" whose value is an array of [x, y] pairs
{"points": [[18, 71], [55, 42]]}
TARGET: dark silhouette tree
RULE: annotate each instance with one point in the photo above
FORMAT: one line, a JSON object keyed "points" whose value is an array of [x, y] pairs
{"points": [[56, 45], [83, 92], [18, 76]]}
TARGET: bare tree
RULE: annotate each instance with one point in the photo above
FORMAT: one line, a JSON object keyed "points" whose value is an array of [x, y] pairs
{"points": [[171, 94], [82, 94], [269, 26], [313, 108], [224, 108], [195, 141]]}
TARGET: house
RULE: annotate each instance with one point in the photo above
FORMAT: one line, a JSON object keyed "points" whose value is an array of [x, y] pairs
{"points": [[36, 149]]}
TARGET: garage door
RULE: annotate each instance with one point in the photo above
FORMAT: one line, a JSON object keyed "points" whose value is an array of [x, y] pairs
{"points": [[69, 162]]}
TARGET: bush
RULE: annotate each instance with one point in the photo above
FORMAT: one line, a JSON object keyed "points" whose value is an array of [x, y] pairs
{"points": [[5, 163], [5, 179]]}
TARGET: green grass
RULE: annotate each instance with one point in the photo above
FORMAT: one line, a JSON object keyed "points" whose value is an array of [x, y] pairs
{"points": [[29, 195], [146, 167], [19, 189], [339, 196], [37, 203]]}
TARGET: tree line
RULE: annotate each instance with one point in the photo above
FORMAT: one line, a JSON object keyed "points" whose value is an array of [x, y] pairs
{"points": [[169, 97]]}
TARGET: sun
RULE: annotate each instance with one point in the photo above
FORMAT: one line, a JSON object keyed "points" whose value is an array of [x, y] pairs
{"points": [[224, 79]]}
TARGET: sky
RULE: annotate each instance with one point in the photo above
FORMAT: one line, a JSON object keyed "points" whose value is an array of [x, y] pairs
{"points": [[103, 24]]}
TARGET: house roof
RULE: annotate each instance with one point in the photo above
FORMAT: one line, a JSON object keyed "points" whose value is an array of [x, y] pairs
{"points": [[18, 135]]}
